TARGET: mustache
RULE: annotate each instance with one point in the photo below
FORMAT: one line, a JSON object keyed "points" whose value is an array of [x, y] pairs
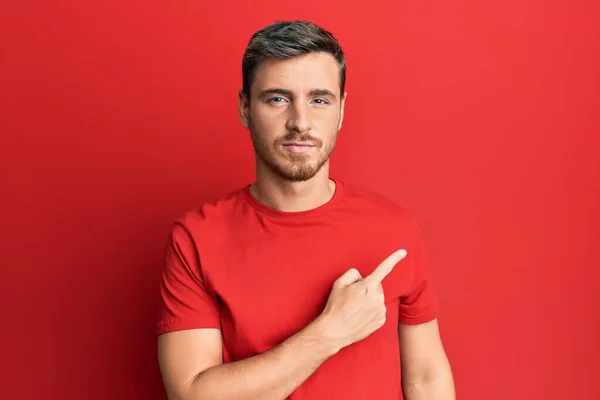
{"points": [[302, 137]]}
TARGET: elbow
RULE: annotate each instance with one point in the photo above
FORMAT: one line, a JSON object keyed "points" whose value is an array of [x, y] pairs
{"points": [[194, 389], [439, 386], [434, 382]]}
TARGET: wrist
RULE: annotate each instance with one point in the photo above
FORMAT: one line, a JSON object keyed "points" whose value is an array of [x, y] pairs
{"points": [[320, 329]]}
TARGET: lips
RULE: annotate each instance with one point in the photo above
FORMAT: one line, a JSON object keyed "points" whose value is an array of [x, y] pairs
{"points": [[299, 144], [298, 147]]}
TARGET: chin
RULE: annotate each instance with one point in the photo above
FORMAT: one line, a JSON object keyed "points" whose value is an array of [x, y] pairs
{"points": [[298, 173], [294, 167], [302, 177]]}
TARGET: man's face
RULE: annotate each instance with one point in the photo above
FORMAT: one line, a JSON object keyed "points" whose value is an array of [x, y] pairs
{"points": [[294, 114]]}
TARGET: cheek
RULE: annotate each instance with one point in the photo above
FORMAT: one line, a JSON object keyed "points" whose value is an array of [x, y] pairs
{"points": [[328, 125], [269, 122], [329, 117]]}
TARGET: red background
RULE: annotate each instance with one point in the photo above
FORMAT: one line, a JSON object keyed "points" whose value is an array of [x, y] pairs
{"points": [[482, 118]]}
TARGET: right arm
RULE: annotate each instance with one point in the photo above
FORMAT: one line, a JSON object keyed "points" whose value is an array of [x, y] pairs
{"points": [[192, 368], [191, 361]]}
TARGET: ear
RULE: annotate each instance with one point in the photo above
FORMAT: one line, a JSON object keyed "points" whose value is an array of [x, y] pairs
{"points": [[342, 105], [244, 108]]}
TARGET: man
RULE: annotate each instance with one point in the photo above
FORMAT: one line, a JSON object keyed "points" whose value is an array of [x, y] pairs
{"points": [[299, 285]]}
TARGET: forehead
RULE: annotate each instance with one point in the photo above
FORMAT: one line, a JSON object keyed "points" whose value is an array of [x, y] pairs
{"points": [[298, 74]]}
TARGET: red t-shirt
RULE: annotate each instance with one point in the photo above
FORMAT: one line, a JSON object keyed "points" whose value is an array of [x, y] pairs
{"points": [[261, 275]]}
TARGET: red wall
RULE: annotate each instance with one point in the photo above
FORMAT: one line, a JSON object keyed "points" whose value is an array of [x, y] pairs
{"points": [[480, 117]]}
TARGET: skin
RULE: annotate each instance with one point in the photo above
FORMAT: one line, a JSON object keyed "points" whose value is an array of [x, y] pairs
{"points": [[308, 108], [299, 100]]}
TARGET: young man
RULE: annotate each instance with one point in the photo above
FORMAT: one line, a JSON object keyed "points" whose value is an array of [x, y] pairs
{"points": [[299, 285]]}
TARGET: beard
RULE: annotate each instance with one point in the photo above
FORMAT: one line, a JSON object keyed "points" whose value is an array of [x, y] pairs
{"points": [[289, 166]]}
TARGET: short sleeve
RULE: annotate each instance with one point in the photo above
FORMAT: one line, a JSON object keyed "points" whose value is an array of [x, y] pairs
{"points": [[185, 300], [420, 305]]}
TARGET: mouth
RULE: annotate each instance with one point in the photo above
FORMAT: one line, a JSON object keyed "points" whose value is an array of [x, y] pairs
{"points": [[298, 147]]}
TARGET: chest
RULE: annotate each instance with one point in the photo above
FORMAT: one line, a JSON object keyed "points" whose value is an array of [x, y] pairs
{"points": [[271, 287]]}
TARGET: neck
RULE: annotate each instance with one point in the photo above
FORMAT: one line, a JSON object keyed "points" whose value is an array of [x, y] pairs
{"points": [[283, 195]]}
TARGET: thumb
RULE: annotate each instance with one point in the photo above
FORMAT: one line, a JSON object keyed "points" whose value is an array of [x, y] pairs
{"points": [[349, 277]]}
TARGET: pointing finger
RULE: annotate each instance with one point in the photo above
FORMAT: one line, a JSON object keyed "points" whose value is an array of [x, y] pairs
{"points": [[385, 267]]}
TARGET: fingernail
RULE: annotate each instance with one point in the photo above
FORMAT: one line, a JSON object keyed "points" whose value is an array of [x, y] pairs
{"points": [[403, 253]]}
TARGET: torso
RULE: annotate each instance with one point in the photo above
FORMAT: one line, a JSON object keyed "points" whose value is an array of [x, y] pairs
{"points": [[272, 277]]}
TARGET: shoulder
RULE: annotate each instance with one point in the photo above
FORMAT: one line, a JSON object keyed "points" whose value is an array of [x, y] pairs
{"points": [[378, 204], [210, 217]]}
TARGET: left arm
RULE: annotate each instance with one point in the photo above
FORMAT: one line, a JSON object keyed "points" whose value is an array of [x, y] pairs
{"points": [[426, 372]]}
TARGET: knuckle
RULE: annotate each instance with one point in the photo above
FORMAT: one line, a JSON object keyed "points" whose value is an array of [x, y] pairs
{"points": [[378, 290], [350, 290], [352, 272]]}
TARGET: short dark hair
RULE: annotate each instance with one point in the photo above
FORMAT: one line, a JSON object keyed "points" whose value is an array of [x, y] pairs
{"points": [[287, 39]]}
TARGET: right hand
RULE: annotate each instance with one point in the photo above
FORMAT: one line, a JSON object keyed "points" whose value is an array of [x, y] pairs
{"points": [[356, 306]]}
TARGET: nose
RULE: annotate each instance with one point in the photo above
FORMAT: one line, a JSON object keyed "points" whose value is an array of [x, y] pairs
{"points": [[298, 120]]}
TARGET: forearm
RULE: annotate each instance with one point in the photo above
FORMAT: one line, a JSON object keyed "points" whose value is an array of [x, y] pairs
{"points": [[440, 387], [274, 374]]}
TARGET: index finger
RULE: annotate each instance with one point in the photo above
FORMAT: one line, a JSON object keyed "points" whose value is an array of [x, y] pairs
{"points": [[385, 267]]}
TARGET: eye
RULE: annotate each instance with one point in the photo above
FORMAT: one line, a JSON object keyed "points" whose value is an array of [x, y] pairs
{"points": [[276, 100], [321, 101]]}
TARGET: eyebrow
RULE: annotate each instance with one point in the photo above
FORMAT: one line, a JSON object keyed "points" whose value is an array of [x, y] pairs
{"points": [[322, 92], [283, 92], [288, 93]]}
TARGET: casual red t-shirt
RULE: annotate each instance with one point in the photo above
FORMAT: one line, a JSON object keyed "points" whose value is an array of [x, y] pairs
{"points": [[261, 275]]}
